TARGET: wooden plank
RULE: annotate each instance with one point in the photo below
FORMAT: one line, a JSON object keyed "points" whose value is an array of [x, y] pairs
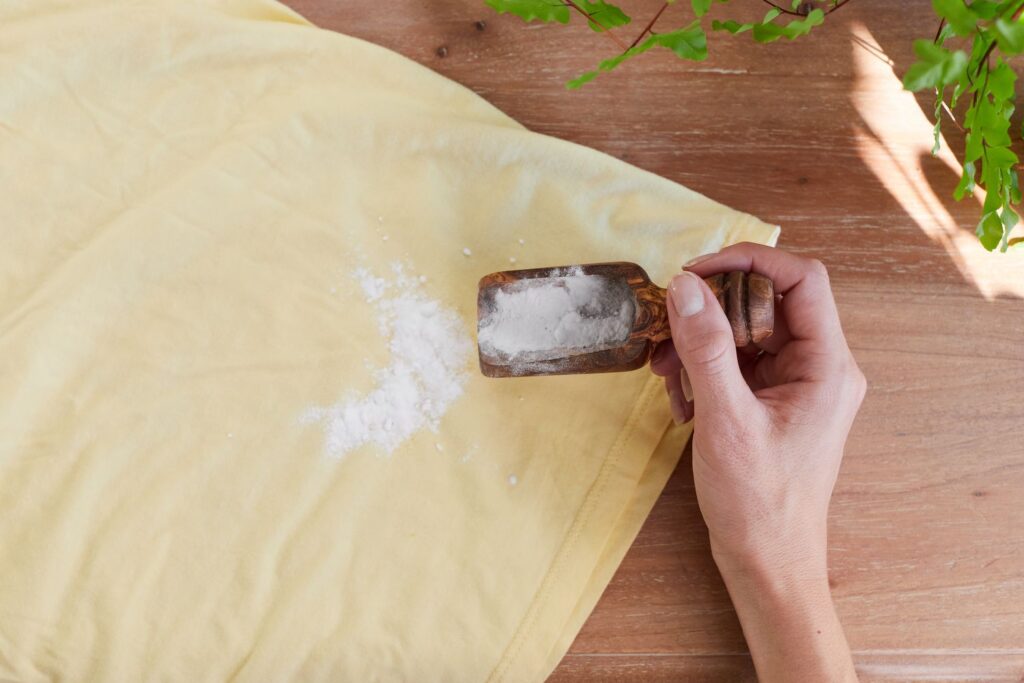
{"points": [[737, 668], [927, 553]]}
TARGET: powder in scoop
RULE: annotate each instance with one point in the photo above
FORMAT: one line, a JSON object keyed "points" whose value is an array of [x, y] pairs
{"points": [[428, 367], [544, 318]]}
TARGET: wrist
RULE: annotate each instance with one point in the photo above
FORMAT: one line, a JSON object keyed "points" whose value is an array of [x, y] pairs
{"points": [[775, 568], [789, 621], [776, 588]]}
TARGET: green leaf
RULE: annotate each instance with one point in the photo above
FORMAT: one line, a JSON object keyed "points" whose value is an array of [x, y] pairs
{"points": [[1001, 80], [991, 121], [1009, 36], [768, 32], [528, 10], [1002, 157], [990, 181], [689, 42], [700, 7], [957, 14], [730, 25], [990, 230], [985, 9], [961, 86], [603, 15], [1009, 219], [1014, 184], [580, 80], [972, 141], [966, 184], [936, 66], [937, 128], [945, 33]]}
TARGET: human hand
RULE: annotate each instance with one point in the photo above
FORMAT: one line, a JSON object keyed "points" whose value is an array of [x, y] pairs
{"points": [[770, 427]]}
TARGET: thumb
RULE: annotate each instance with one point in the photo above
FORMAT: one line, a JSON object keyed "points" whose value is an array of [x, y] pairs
{"points": [[703, 340]]}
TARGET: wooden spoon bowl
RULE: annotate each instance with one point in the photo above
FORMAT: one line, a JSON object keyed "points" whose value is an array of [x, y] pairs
{"points": [[748, 300]]}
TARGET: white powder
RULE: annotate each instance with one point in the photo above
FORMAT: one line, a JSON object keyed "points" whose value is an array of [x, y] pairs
{"points": [[544, 318], [466, 251], [428, 367], [373, 287]]}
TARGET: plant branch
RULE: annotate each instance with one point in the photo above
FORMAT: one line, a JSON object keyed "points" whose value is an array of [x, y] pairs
{"points": [[980, 92], [1014, 11], [650, 25], [604, 29], [945, 107], [983, 62], [837, 6], [798, 13], [783, 9], [938, 31]]}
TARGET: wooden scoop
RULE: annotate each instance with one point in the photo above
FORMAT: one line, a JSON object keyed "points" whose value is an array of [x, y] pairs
{"points": [[748, 300]]}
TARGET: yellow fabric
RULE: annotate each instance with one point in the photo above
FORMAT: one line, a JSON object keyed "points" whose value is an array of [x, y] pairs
{"points": [[185, 189]]}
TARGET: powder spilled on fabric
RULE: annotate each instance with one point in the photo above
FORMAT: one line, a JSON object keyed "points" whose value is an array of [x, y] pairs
{"points": [[544, 318], [430, 353]]}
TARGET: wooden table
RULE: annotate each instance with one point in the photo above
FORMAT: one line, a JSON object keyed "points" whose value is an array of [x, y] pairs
{"points": [[927, 523]]}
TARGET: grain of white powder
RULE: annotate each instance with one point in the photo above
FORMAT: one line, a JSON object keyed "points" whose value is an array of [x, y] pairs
{"points": [[466, 251], [426, 372], [373, 287], [543, 318]]}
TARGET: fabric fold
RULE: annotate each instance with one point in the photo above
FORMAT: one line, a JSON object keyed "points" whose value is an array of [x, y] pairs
{"points": [[243, 433]]}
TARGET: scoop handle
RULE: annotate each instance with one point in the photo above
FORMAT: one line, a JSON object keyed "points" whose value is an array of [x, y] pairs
{"points": [[748, 300]]}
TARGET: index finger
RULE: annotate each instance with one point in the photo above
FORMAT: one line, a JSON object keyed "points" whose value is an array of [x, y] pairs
{"points": [[807, 301]]}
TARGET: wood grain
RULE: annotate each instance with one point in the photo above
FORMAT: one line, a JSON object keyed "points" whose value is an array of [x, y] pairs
{"points": [[927, 523]]}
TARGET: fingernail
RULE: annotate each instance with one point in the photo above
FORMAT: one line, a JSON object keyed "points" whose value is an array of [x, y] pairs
{"points": [[684, 379], [675, 403], [687, 295], [695, 261]]}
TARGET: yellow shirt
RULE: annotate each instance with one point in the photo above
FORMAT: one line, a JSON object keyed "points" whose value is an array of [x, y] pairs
{"points": [[197, 201]]}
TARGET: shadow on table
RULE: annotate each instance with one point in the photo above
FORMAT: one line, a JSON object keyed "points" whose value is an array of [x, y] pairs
{"points": [[896, 129]]}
